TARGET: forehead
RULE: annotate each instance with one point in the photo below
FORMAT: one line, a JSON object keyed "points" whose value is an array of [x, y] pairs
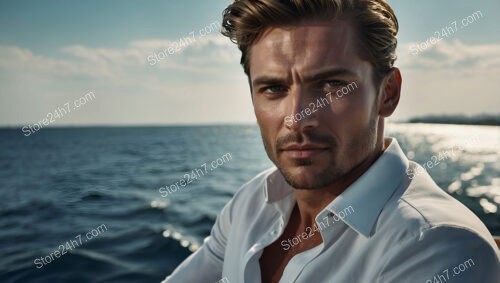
{"points": [[306, 47]]}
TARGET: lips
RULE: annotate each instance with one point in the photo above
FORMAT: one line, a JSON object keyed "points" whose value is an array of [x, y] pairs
{"points": [[303, 150]]}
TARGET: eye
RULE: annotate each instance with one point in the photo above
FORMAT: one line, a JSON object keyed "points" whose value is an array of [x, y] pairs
{"points": [[334, 84], [276, 89]]}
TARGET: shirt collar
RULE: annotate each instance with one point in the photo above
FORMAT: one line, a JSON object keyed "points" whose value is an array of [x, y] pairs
{"points": [[276, 187], [366, 197]]}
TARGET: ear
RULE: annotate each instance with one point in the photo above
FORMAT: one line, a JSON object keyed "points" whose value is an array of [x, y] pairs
{"points": [[390, 92]]}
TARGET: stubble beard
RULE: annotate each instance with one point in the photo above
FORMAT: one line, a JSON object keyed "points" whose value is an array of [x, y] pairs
{"points": [[341, 164]]}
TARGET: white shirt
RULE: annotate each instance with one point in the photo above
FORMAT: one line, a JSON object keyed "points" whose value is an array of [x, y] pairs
{"points": [[386, 227]]}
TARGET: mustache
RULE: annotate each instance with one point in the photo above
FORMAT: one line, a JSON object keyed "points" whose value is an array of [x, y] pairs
{"points": [[307, 138]]}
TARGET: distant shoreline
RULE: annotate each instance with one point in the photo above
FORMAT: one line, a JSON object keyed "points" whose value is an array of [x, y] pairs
{"points": [[480, 120]]}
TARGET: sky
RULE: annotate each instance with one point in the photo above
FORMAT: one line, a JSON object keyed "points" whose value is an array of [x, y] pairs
{"points": [[56, 52]]}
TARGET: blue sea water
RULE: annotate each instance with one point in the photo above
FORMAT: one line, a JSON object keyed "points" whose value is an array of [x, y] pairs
{"points": [[61, 183]]}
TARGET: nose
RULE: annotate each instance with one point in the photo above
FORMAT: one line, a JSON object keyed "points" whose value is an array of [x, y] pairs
{"points": [[302, 115]]}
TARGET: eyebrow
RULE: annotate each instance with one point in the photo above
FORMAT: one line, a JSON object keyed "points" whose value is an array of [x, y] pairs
{"points": [[335, 72], [271, 80], [268, 80]]}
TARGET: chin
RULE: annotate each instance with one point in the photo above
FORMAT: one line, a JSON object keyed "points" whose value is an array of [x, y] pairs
{"points": [[305, 176]]}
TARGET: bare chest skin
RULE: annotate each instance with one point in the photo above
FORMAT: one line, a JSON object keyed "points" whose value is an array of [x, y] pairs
{"points": [[276, 256]]}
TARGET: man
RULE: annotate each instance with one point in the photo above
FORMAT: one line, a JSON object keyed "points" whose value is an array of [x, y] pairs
{"points": [[339, 206]]}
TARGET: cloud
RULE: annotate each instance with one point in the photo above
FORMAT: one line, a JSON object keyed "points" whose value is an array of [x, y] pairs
{"points": [[451, 56], [447, 77], [204, 74], [24, 61], [79, 60]]}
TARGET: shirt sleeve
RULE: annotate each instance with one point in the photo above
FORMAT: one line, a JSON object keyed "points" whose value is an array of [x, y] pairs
{"points": [[442, 254], [205, 265]]}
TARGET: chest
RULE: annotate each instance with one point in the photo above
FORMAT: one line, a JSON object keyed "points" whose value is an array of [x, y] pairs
{"points": [[277, 255]]}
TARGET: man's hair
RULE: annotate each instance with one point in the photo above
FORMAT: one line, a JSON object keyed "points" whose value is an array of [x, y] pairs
{"points": [[376, 25]]}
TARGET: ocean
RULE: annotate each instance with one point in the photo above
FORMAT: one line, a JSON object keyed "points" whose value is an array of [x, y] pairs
{"points": [[128, 204]]}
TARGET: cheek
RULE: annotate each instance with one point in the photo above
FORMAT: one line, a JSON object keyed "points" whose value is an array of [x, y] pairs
{"points": [[269, 115], [360, 115], [265, 120], [351, 113]]}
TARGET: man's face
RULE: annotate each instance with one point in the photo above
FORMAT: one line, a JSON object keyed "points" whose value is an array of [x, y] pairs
{"points": [[290, 69]]}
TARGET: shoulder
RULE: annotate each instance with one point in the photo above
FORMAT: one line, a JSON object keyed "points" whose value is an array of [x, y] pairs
{"points": [[420, 205], [424, 219], [428, 231]]}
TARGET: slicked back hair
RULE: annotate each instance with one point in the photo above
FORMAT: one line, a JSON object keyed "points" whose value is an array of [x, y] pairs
{"points": [[376, 25]]}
